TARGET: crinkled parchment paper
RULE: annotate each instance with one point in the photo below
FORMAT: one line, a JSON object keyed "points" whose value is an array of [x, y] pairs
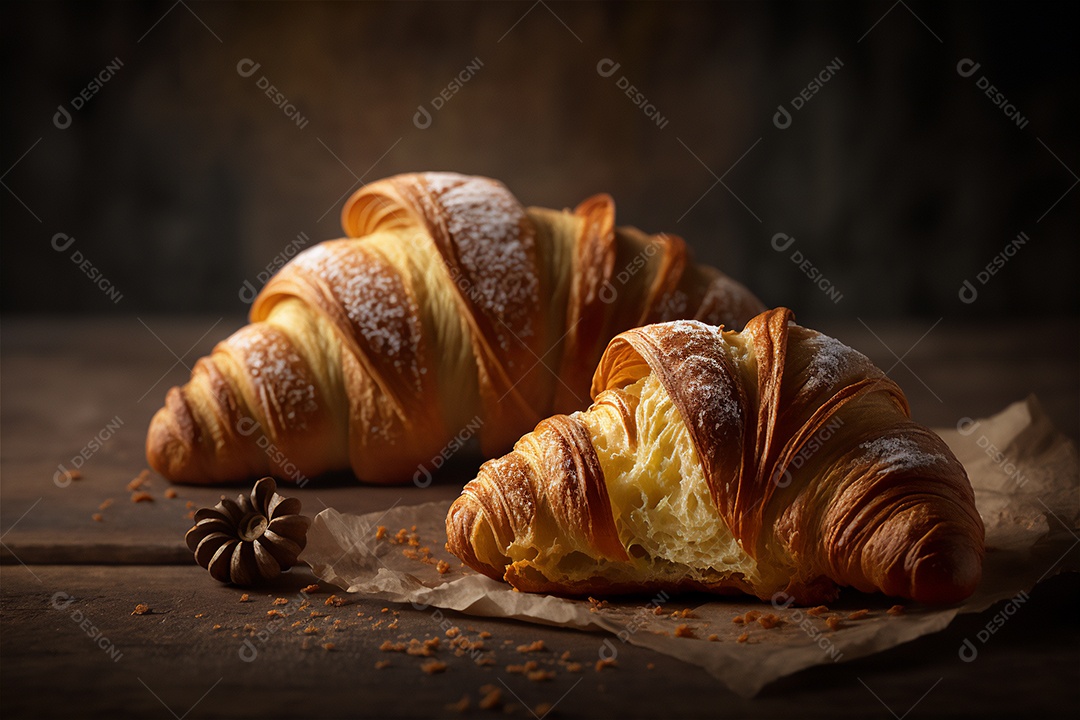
{"points": [[1026, 488]]}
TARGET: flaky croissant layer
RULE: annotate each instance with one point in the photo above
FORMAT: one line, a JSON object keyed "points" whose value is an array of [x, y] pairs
{"points": [[775, 460], [448, 306]]}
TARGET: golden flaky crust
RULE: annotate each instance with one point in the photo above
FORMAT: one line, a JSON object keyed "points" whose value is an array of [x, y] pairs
{"points": [[803, 448], [435, 319]]}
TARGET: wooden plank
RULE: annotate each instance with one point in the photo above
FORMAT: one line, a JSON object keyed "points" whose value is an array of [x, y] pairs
{"points": [[136, 664]]}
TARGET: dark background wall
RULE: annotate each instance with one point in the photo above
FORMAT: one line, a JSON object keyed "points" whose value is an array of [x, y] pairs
{"points": [[899, 179]]}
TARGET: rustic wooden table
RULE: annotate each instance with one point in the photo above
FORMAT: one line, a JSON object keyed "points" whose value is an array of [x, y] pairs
{"points": [[71, 646]]}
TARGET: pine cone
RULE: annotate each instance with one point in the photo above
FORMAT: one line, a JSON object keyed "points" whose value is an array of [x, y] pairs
{"points": [[248, 540]]}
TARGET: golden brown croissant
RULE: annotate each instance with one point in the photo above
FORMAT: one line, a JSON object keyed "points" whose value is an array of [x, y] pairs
{"points": [[449, 306], [773, 459]]}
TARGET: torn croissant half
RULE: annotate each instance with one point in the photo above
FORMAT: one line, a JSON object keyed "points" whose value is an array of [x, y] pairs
{"points": [[772, 460]]}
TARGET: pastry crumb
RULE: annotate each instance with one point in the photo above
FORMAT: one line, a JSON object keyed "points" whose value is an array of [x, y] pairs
{"points": [[105, 503], [605, 663], [381, 664], [542, 709], [311, 630], [141, 496], [245, 598], [896, 610], [541, 675], [484, 634], [453, 632], [711, 638], [574, 667], [658, 610], [312, 588], [141, 479], [328, 646], [97, 517], [684, 613], [491, 699], [280, 601], [684, 631], [141, 609], [380, 532], [431, 667], [460, 706], [833, 622], [389, 646], [171, 493], [769, 621], [743, 638], [858, 614], [335, 601], [443, 567], [535, 646], [816, 611]]}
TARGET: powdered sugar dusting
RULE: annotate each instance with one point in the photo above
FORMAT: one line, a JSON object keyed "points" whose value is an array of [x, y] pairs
{"points": [[831, 360], [899, 453], [495, 248], [273, 363], [380, 309]]}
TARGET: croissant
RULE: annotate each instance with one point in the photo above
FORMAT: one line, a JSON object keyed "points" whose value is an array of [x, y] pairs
{"points": [[448, 311], [772, 460]]}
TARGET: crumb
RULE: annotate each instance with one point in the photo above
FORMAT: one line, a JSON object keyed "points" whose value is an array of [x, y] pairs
{"points": [[485, 634], [245, 598], [200, 615], [565, 656], [275, 613], [522, 669], [541, 675], [769, 621], [535, 646], [744, 637], [335, 601], [105, 503], [432, 667], [380, 532], [317, 614], [97, 517], [658, 610], [684, 631], [217, 626], [896, 610], [72, 474], [738, 620], [833, 621], [711, 638], [170, 493], [388, 646], [312, 588], [751, 615], [328, 646], [280, 601], [311, 630], [684, 613], [858, 615], [380, 664], [393, 625], [485, 661], [574, 667], [250, 628], [298, 623], [460, 706], [443, 567], [141, 479], [596, 605], [141, 609], [542, 709], [605, 663], [189, 505], [400, 537], [816, 611], [385, 610], [453, 632], [492, 697], [141, 496], [650, 666], [190, 515]]}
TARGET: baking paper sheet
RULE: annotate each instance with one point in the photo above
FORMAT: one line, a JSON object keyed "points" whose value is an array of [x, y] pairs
{"points": [[1027, 489]]}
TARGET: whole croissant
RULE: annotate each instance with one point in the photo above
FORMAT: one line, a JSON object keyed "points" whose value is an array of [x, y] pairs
{"points": [[449, 307], [772, 460]]}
